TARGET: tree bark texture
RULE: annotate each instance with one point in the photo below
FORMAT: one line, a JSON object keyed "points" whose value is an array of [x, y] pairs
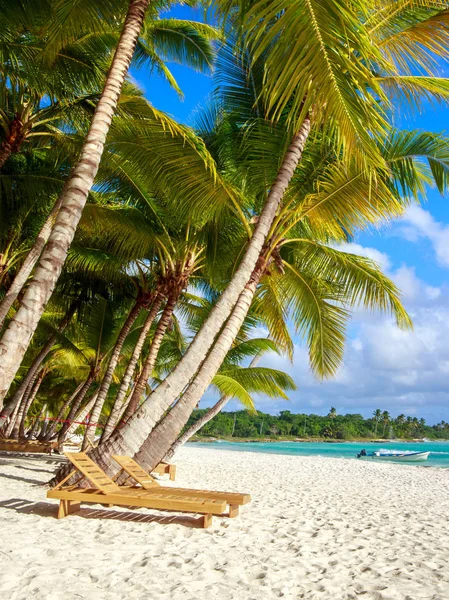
{"points": [[77, 403], [208, 416], [28, 264], [51, 431], [130, 438], [106, 383], [35, 365], [20, 330], [161, 438], [29, 402], [120, 398], [150, 361]]}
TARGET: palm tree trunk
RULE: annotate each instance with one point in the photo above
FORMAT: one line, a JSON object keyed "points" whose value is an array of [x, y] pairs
{"points": [[76, 404], [29, 402], [208, 416], [42, 432], [150, 360], [13, 139], [129, 439], [32, 371], [13, 429], [5, 152], [52, 428], [120, 398], [20, 330], [8, 430], [80, 417], [28, 264], [32, 432], [161, 438], [106, 383]]}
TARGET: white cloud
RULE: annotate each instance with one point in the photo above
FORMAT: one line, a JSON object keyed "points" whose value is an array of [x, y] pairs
{"points": [[419, 223], [384, 367], [376, 255]]}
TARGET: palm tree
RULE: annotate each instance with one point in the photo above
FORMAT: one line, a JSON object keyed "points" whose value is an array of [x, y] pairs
{"points": [[167, 392], [377, 414], [73, 199], [385, 421], [218, 406], [332, 413]]}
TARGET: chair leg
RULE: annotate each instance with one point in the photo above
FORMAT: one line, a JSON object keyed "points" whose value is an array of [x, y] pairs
{"points": [[233, 510], [63, 509], [172, 472], [207, 521], [74, 507]]}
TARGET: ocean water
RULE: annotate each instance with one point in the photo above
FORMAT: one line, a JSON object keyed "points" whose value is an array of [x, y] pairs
{"points": [[439, 451]]}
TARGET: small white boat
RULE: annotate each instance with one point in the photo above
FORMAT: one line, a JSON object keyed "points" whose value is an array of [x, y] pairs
{"points": [[395, 455]]}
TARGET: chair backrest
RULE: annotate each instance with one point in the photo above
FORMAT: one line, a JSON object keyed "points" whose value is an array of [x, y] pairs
{"points": [[92, 472], [133, 469]]}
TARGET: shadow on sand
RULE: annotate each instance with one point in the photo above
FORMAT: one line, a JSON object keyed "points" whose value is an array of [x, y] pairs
{"points": [[45, 509]]}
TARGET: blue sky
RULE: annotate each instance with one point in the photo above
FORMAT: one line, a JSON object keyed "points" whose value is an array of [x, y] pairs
{"points": [[402, 372]]}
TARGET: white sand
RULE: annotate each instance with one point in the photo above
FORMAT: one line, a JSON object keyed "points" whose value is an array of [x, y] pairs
{"points": [[317, 528]]}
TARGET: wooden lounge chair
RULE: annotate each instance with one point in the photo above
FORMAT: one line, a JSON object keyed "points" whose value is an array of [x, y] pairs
{"points": [[10, 445], [164, 468], [106, 491], [136, 472]]}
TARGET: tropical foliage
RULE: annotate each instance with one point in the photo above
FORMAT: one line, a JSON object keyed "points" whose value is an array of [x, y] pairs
{"points": [[140, 258], [244, 425]]}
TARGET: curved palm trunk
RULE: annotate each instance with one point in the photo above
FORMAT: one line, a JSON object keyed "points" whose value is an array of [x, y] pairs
{"points": [[120, 398], [208, 416], [77, 403], [29, 402], [32, 371], [106, 383], [161, 438], [51, 431], [130, 438], [20, 330], [80, 416], [9, 429], [150, 360], [42, 432], [13, 429], [34, 428], [12, 141], [28, 264]]}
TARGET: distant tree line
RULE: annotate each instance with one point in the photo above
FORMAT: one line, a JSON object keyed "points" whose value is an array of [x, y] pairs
{"points": [[243, 424]]}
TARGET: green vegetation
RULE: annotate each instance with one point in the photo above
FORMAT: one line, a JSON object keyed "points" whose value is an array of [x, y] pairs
{"points": [[244, 426], [139, 258]]}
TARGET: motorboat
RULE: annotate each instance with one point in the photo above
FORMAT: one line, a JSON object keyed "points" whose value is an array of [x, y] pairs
{"points": [[395, 455]]}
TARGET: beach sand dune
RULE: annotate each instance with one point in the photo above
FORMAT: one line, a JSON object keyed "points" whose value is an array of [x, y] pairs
{"points": [[317, 528]]}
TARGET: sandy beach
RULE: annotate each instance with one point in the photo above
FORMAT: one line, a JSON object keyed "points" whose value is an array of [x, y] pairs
{"points": [[317, 528]]}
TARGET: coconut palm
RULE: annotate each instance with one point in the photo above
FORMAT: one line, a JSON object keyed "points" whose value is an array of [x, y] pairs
{"points": [[385, 421], [74, 195], [348, 137], [377, 414]]}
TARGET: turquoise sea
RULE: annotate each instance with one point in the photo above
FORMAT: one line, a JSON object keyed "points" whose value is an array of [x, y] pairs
{"points": [[439, 451]]}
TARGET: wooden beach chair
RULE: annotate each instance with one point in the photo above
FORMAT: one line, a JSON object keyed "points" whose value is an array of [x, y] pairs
{"points": [[104, 490], [139, 475], [164, 468]]}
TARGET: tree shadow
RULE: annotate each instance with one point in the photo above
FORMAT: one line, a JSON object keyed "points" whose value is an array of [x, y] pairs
{"points": [[45, 509], [53, 459], [25, 479], [35, 470]]}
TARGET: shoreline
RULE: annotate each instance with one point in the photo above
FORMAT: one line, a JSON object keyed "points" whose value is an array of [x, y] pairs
{"points": [[317, 440]]}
